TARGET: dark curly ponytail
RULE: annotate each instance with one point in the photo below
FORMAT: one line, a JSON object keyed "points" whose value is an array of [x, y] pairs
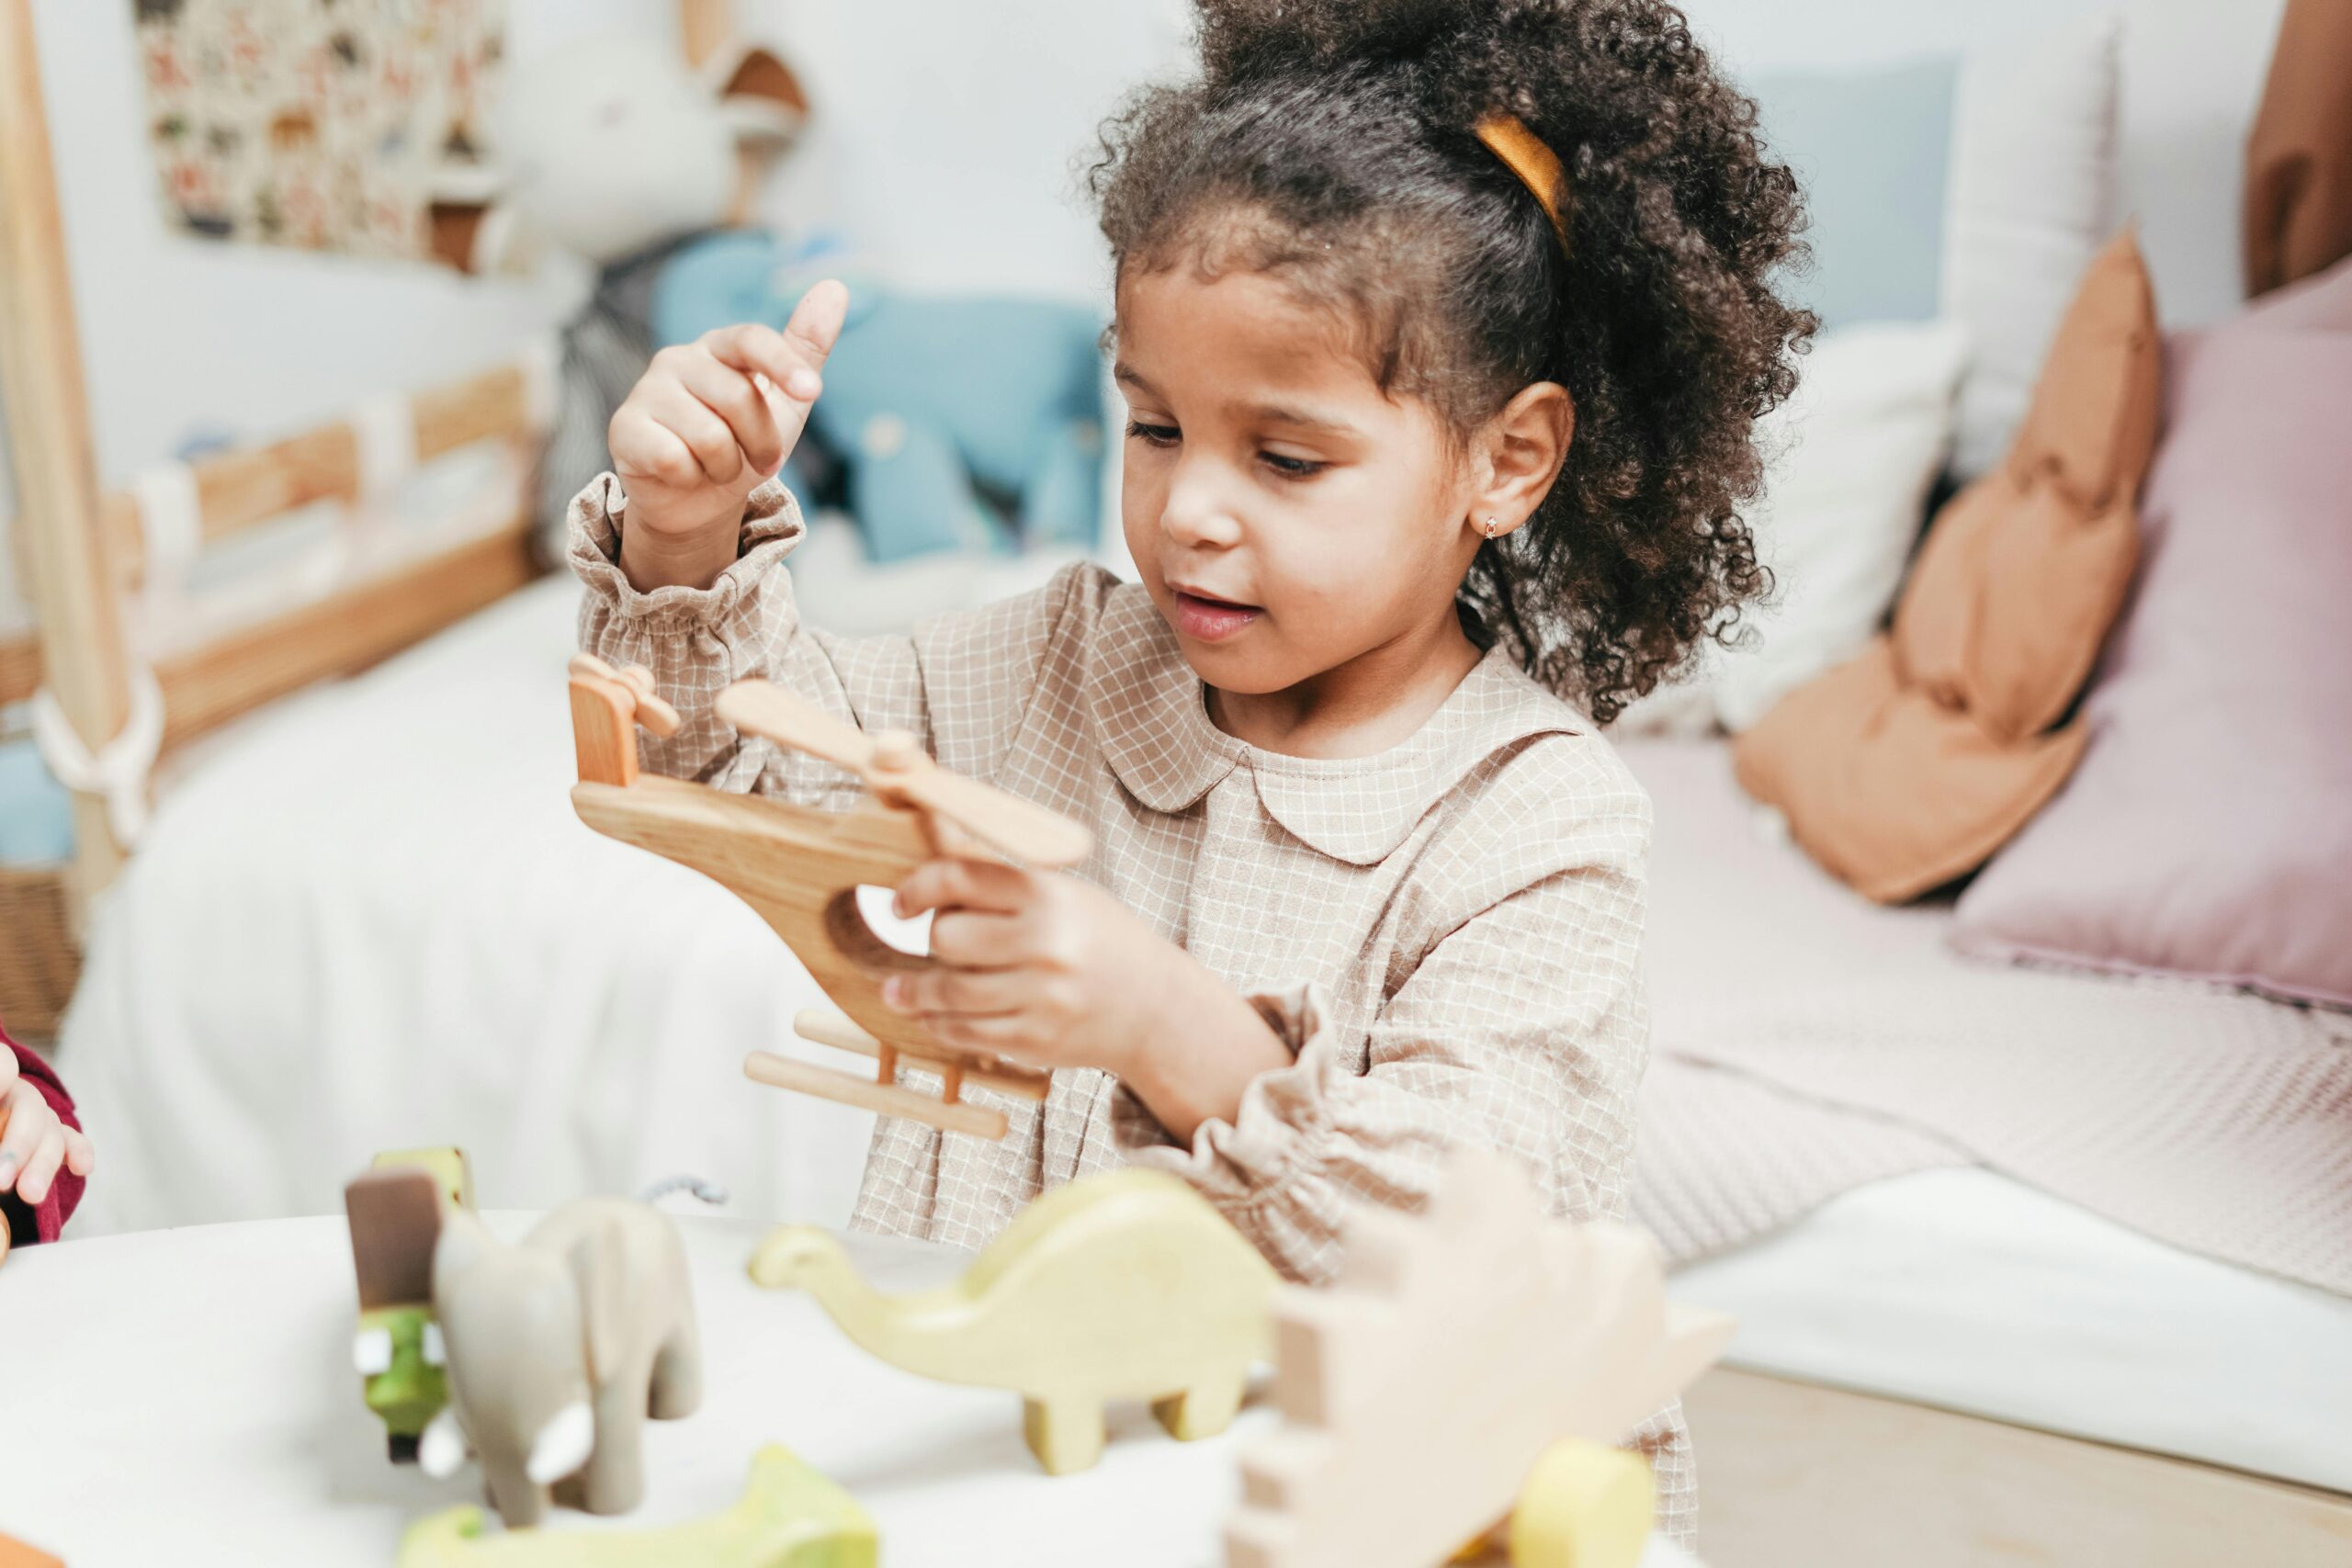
{"points": [[1331, 140]]}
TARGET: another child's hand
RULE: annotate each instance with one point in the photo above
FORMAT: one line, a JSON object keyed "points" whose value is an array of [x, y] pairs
{"points": [[33, 1141], [1054, 972], [699, 432]]}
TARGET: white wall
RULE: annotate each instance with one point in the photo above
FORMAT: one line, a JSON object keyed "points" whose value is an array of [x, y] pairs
{"points": [[946, 139], [2192, 77], [182, 336]]}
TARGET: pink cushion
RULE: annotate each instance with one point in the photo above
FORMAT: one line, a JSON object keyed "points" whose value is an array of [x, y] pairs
{"points": [[2322, 303], [2207, 830]]}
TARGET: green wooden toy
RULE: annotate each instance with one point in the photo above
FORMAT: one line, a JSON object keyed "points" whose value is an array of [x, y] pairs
{"points": [[395, 1213], [790, 1517]]}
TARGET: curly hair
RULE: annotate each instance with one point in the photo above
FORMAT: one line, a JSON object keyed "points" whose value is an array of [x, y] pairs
{"points": [[1332, 142]]}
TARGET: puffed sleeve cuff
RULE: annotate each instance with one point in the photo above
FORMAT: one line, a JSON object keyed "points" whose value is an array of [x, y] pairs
{"points": [[1283, 1120], [771, 528]]}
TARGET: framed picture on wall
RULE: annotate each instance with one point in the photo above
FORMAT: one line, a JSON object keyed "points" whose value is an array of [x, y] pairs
{"points": [[317, 124]]}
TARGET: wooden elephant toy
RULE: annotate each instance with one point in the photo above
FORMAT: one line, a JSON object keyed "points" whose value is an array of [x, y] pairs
{"points": [[557, 1348]]}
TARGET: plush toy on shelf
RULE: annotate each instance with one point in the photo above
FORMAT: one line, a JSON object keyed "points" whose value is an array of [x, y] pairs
{"points": [[1126, 1285], [613, 151], [961, 423]]}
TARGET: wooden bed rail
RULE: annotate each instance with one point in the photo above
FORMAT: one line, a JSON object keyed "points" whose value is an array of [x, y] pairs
{"points": [[240, 490]]}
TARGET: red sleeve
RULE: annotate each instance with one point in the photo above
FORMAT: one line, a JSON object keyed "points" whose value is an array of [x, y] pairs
{"points": [[42, 1222]]}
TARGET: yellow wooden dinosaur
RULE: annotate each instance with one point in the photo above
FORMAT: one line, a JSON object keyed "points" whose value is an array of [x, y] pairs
{"points": [[1126, 1285]]}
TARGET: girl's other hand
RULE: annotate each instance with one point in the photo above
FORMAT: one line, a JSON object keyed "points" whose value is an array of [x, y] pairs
{"points": [[1035, 965], [1055, 972], [706, 423], [33, 1141]]}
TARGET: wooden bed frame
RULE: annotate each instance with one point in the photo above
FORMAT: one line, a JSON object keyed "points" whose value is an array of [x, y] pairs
{"points": [[84, 552]]}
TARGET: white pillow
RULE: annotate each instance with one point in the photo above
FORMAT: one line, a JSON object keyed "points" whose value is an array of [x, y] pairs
{"points": [[2029, 200], [1851, 456]]}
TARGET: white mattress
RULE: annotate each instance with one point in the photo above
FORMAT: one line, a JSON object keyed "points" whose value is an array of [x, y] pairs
{"points": [[1965, 1289]]}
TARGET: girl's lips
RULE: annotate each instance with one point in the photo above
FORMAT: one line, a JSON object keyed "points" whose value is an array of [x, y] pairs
{"points": [[1210, 620]]}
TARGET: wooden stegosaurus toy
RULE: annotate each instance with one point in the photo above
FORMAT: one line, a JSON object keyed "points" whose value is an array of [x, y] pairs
{"points": [[1470, 1369]]}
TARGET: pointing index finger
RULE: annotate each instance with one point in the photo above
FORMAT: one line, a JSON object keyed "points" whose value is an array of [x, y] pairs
{"points": [[791, 358]]}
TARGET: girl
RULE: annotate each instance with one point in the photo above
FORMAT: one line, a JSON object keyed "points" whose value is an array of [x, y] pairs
{"points": [[1443, 325]]}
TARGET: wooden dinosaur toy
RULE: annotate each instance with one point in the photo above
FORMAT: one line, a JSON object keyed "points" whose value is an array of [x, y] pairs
{"points": [[800, 868], [790, 1517], [1471, 1366], [1126, 1285]]}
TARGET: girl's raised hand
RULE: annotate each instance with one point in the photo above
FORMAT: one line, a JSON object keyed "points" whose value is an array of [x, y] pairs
{"points": [[709, 422]]}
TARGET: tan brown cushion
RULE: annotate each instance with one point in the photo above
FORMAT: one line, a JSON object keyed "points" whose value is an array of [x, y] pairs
{"points": [[1911, 764], [1887, 788], [2024, 571], [2298, 215]]}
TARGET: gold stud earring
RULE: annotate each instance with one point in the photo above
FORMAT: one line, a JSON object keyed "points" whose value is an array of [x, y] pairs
{"points": [[1489, 528]]}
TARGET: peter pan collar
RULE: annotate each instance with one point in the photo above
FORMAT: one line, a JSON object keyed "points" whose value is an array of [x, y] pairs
{"points": [[1154, 731]]}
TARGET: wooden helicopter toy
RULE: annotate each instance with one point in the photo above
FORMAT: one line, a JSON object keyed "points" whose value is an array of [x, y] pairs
{"points": [[800, 869]]}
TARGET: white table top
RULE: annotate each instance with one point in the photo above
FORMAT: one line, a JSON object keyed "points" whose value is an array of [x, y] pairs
{"points": [[189, 1398]]}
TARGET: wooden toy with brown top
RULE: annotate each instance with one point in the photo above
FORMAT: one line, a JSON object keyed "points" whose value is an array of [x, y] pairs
{"points": [[800, 868]]}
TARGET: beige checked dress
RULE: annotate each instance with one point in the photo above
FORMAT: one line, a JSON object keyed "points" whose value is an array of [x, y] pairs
{"points": [[1447, 935]]}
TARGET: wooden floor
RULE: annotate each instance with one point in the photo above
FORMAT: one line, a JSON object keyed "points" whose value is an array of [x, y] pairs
{"points": [[1791, 1475]]}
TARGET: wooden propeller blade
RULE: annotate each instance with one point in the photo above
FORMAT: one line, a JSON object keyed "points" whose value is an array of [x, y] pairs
{"points": [[757, 707], [1027, 832], [1023, 829]]}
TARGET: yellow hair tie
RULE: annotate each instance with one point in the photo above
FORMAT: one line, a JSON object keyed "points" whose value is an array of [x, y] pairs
{"points": [[1523, 153]]}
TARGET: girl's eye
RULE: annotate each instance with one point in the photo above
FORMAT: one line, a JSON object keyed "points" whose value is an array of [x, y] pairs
{"points": [[1292, 468], [1153, 435]]}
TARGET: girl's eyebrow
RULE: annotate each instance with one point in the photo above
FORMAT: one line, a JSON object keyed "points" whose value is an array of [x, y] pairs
{"points": [[1259, 413], [1299, 419]]}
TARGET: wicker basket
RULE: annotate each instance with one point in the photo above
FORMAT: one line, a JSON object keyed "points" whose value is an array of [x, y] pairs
{"points": [[39, 960]]}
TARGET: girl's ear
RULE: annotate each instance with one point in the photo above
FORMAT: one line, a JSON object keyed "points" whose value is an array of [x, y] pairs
{"points": [[1520, 451]]}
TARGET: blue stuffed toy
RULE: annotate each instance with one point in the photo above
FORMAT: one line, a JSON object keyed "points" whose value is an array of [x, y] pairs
{"points": [[938, 409]]}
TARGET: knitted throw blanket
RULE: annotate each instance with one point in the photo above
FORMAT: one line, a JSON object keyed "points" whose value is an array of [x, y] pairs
{"points": [[1806, 1042]]}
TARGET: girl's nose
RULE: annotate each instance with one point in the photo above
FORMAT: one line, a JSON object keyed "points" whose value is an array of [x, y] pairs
{"points": [[1196, 513]]}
